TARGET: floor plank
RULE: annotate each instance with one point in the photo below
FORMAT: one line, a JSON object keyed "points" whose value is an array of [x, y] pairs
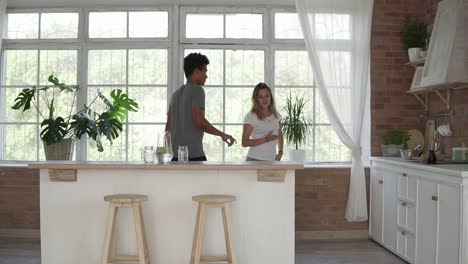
{"points": [[27, 251]]}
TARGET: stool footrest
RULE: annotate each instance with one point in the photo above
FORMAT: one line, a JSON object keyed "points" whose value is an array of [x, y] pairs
{"points": [[213, 258], [124, 258]]}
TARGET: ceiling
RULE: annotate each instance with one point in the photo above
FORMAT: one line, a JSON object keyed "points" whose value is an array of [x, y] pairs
{"points": [[83, 3]]}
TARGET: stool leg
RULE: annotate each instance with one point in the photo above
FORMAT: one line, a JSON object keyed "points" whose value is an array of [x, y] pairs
{"points": [[228, 234], [198, 234], [145, 240], [109, 236], [112, 245], [139, 233]]}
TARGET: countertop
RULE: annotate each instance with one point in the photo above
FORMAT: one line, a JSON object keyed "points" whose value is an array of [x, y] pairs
{"points": [[13, 164], [196, 165], [445, 167]]}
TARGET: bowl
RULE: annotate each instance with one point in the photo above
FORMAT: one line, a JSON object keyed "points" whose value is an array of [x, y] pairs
{"points": [[406, 154]]}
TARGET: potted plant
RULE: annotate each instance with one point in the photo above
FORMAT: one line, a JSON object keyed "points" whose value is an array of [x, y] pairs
{"points": [[59, 132], [413, 36], [295, 126], [393, 142]]}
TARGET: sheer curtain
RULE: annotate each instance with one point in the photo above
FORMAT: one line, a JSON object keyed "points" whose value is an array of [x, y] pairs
{"points": [[337, 36], [3, 5]]}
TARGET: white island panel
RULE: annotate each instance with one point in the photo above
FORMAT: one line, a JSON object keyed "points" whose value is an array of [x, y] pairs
{"points": [[73, 215]]}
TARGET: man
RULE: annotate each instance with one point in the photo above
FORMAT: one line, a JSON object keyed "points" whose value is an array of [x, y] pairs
{"points": [[186, 115]]}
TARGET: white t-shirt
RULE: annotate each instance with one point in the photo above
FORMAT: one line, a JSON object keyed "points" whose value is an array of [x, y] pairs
{"points": [[261, 128]]}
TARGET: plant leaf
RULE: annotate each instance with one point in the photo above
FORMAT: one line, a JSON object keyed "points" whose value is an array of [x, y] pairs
{"points": [[63, 87], [24, 99], [122, 104], [83, 123], [53, 130], [109, 126]]}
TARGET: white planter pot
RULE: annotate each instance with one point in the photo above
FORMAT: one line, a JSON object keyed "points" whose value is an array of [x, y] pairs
{"points": [[297, 155], [391, 150], [414, 53]]}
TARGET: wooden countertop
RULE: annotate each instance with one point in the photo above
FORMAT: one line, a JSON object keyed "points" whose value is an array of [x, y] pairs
{"points": [[196, 165]]}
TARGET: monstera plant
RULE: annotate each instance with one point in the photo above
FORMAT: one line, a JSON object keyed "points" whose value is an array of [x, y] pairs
{"points": [[93, 120]]}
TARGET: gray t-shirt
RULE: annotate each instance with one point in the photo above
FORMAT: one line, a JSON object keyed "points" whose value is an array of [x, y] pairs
{"points": [[184, 132]]}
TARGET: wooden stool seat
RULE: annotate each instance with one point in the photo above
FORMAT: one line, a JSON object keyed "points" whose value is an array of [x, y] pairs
{"points": [[125, 198], [213, 201], [133, 201], [214, 198]]}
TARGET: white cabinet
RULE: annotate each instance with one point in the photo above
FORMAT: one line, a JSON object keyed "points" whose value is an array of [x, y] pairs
{"points": [[376, 200], [417, 214], [449, 224], [427, 223], [390, 179]]}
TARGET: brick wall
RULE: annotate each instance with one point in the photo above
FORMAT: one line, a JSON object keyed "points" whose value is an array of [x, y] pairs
{"points": [[19, 198], [391, 107], [321, 195]]}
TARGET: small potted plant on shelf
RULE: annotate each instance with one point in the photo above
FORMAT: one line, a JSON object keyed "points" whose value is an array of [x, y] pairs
{"points": [[59, 132], [393, 142], [413, 36], [295, 126]]}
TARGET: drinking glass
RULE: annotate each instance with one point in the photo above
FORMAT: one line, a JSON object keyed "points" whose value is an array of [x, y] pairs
{"points": [[164, 147], [183, 154], [148, 154]]}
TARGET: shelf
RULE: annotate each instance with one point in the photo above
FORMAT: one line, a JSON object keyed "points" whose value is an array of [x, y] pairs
{"points": [[438, 90], [417, 62]]}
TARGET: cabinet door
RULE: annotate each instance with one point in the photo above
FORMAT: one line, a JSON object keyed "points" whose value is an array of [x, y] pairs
{"points": [[426, 223], [376, 202], [390, 204], [449, 224]]}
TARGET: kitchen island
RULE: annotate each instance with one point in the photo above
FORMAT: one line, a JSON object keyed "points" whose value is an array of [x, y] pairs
{"points": [[74, 214]]}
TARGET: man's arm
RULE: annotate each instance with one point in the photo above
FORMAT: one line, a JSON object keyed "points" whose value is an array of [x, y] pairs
{"points": [[168, 123], [201, 122]]}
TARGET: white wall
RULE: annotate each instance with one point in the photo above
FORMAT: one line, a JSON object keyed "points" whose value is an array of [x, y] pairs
{"points": [[79, 3]]}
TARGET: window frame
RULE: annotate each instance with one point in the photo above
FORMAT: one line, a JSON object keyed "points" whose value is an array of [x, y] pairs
{"points": [[184, 10], [166, 8], [40, 11], [175, 43]]}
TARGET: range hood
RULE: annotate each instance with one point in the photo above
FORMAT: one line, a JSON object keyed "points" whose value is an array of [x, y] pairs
{"points": [[447, 57]]}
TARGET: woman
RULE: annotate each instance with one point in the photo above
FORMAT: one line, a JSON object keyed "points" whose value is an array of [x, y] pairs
{"points": [[262, 127]]}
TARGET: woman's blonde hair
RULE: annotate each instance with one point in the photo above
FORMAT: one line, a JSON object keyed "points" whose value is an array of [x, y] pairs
{"points": [[256, 107]]}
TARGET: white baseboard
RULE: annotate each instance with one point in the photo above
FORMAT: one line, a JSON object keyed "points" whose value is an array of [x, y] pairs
{"points": [[335, 234], [20, 233]]}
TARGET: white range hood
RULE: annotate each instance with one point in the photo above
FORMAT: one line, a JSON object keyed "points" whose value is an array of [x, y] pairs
{"points": [[447, 57]]}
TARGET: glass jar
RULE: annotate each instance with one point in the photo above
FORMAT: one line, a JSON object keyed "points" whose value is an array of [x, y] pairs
{"points": [[164, 147]]}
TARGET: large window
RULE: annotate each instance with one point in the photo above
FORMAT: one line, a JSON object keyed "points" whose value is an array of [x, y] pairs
{"points": [[137, 51]]}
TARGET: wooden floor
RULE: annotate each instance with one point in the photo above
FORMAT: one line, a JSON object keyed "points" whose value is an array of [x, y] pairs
{"points": [[27, 251]]}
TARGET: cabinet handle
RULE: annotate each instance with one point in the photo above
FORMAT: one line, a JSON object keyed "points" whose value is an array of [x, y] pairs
{"points": [[404, 174], [403, 203], [435, 198], [403, 233], [380, 182]]}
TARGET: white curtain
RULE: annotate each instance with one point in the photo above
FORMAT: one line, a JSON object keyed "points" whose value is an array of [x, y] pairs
{"points": [[337, 36], [3, 5]]}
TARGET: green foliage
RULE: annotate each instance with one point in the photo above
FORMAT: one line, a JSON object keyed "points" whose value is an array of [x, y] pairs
{"points": [[414, 33], [295, 124], [396, 137], [86, 121]]}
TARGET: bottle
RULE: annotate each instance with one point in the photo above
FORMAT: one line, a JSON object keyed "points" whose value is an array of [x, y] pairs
{"points": [[431, 156]]}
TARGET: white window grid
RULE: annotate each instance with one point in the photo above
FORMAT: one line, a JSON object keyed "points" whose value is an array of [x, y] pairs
{"points": [[175, 43]]}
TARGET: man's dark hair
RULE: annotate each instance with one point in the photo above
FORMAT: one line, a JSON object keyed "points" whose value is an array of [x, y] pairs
{"points": [[194, 61]]}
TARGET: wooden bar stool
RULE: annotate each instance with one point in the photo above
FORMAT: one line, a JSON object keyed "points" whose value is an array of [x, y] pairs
{"points": [[133, 201], [213, 201]]}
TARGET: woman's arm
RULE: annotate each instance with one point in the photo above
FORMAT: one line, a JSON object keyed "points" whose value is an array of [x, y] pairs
{"points": [[247, 142], [280, 143]]}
